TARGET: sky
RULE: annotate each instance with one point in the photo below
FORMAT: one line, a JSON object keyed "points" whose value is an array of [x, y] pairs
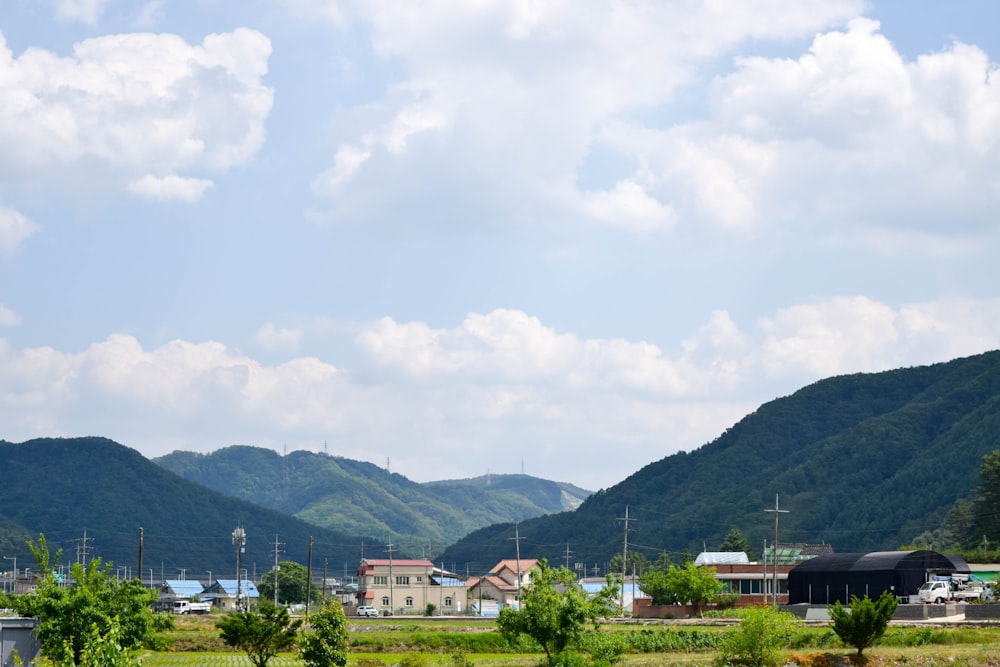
{"points": [[559, 237]]}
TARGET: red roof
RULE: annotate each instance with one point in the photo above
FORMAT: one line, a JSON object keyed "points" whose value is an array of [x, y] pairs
{"points": [[401, 562]]}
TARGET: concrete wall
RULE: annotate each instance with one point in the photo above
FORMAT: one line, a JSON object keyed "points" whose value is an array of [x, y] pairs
{"points": [[18, 634]]}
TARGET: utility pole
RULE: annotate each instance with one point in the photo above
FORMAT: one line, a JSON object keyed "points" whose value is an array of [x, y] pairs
{"points": [[82, 549], [240, 542], [277, 568], [517, 544], [774, 548], [624, 558], [140, 554], [392, 600], [309, 575], [568, 552]]}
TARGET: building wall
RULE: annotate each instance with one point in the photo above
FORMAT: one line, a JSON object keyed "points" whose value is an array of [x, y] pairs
{"points": [[18, 634], [410, 590]]}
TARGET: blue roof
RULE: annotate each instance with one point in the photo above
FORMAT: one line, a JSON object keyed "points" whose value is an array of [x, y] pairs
{"points": [[184, 587], [228, 586]]}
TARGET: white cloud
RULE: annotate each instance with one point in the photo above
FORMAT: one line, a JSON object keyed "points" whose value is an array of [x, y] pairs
{"points": [[138, 103], [629, 206], [8, 318], [501, 379], [85, 11], [170, 187], [270, 337], [14, 229], [850, 134], [510, 98]]}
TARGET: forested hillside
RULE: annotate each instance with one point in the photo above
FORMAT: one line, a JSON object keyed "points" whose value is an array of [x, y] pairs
{"points": [[64, 487], [863, 462], [360, 498]]}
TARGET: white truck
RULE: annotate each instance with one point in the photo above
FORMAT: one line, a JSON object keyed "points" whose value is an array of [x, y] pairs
{"points": [[954, 588], [188, 607]]}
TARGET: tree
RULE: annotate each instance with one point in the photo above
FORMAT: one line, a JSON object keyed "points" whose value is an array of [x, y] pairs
{"points": [[637, 562], [758, 639], [96, 611], [293, 580], [554, 610], [987, 506], [326, 645], [864, 623], [260, 634], [654, 584], [693, 584], [736, 541]]}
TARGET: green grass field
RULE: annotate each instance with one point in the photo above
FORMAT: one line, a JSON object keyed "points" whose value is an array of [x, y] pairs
{"points": [[463, 643]]}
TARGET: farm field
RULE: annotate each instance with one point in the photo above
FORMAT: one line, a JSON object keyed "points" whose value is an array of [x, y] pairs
{"points": [[466, 642]]}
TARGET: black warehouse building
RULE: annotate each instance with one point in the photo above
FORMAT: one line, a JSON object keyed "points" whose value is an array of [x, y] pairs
{"points": [[836, 577]]}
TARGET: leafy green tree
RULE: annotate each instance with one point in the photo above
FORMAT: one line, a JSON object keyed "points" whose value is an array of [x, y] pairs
{"points": [[293, 580], [864, 623], [654, 584], [554, 611], [326, 644], [637, 562], [987, 506], [759, 638], [693, 584], [662, 562], [260, 634], [736, 541], [96, 609]]}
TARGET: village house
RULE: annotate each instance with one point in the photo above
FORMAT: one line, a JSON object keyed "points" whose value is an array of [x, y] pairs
{"points": [[501, 585], [223, 594], [407, 586]]}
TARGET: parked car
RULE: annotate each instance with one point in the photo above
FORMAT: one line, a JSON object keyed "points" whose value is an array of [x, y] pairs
{"points": [[367, 611]]}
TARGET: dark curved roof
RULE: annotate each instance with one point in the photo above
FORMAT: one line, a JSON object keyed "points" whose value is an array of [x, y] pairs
{"points": [[828, 563], [883, 560]]}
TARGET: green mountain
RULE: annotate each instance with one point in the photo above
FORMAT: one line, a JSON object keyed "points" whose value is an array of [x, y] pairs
{"points": [[68, 488], [360, 498], [862, 462]]}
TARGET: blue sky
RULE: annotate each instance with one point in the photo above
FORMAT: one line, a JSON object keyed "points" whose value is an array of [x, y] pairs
{"points": [[568, 238]]}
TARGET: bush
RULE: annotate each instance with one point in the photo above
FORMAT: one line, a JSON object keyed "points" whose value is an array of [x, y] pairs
{"points": [[866, 621], [758, 639], [431, 608], [605, 648]]}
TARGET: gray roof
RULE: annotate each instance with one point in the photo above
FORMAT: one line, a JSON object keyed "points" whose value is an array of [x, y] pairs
{"points": [[186, 588]]}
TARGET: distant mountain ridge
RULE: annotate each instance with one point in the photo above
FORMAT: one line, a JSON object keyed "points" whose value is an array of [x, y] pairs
{"points": [[67, 488], [862, 462], [360, 498]]}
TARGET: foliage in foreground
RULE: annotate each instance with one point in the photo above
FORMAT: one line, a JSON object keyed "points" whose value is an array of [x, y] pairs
{"points": [[260, 634], [95, 615], [554, 611], [866, 621], [759, 638], [326, 644]]}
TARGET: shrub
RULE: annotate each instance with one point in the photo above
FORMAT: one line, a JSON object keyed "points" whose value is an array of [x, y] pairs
{"points": [[865, 622], [758, 639]]}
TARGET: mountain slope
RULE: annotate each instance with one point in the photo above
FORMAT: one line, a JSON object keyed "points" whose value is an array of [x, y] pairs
{"points": [[360, 498], [64, 487], [864, 462]]}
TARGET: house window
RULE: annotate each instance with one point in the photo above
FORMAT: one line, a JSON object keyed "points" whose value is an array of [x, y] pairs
{"points": [[385, 602], [380, 581], [420, 580], [409, 602], [403, 581], [447, 602], [750, 587]]}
